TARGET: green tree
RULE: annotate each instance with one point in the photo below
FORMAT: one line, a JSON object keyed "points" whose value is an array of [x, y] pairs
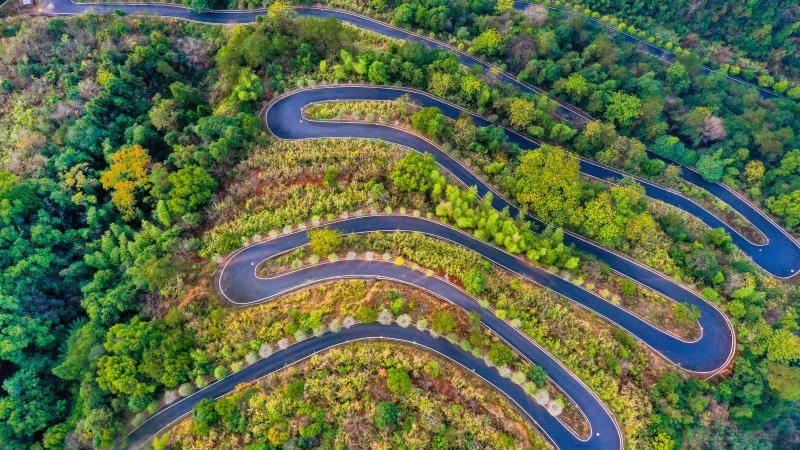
{"points": [[475, 281], [192, 187], [500, 354], [785, 381], [537, 375], [488, 43], [429, 121], [678, 78], [324, 241], [521, 113], [378, 73], [464, 131], [201, 6], [577, 86], [601, 221], [783, 346], [623, 108], [416, 173], [205, 416], [398, 381], [443, 321], [548, 182], [787, 206], [385, 414], [711, 168]]}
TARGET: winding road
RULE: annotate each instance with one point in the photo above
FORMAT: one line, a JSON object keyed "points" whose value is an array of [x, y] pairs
{"points": [[780, 256], [239, 283]]}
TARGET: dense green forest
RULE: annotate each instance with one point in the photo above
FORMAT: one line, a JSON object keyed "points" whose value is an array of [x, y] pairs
{"points": [[132, 157], [723, 129], [727, 31]]}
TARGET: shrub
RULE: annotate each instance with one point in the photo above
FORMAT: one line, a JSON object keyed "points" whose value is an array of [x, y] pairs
{"points": [[283, 344], [324, 241], [385, 414], [443, 321], [200, 382], [422, 324], [385, 317], [335, 326], [398, 380], [265, 351], [185, 390], [319, 330], [348, 322], [537, 375], [404, 320], [504, 371], [542, 397], [251, 358], [300, 336], [220, 372], [555, 407], [170, 396], [365, 314], [766, 81]]}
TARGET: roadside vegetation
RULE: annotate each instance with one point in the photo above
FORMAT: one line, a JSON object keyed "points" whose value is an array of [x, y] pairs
{"points": [[132, 158], [393, 393]]}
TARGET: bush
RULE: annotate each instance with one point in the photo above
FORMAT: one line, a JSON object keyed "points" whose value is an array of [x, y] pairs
{"points": [[555, 407], [404, 320], [443, 321], [542, 397], [385, 317], [398, 380], [283, 344], [348, 322], [385, 414], [365, 314], [500, 354], [504, 371], [220, 372], [628, 287], [251, 357], [170, 396], [265, 351], [537, 375], [433, 369], [185, 390], [324, 241]]}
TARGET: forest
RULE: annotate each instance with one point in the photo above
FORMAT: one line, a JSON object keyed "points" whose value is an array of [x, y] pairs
{"points": [[133, 158]]}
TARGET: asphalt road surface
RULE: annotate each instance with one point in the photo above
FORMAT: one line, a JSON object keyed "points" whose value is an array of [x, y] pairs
{"points": [[240, 285]]}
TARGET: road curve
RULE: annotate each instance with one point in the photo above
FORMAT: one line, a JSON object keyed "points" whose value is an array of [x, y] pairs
{"points": [[780, 256], [604, 430], [712, 351], [238, 282]]}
